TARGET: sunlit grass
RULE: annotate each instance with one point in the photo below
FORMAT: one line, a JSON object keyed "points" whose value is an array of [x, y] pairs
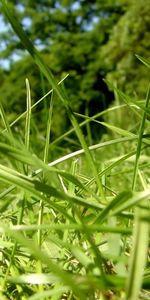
{"points": [[76, 227]]}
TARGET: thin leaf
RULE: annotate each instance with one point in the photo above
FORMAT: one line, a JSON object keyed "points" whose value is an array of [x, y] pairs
{"points": [[60, 92], [141, 132], [28, 116], [145, 61]]}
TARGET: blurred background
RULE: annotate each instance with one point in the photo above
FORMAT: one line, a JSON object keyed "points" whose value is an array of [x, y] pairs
{"points": [[90, 41]]}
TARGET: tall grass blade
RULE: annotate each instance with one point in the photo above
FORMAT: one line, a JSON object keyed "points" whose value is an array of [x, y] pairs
{"points": [[33, 106], [48, 130], [141, 132], [4, 119], [60, 92], [145, 61], [41, 204], [141, 229], [138, 256], [62, 275], [41, 190], [28, 116]]}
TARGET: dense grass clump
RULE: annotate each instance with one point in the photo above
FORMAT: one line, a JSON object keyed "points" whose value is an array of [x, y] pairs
{"points": [[76, 226]]}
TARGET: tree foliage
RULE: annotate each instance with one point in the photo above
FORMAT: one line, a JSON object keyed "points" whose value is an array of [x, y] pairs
{"points": [[88, 40], [130, 36]]}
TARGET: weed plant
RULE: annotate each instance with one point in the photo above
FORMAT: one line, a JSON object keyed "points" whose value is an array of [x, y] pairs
{"points": [[77, 226]]}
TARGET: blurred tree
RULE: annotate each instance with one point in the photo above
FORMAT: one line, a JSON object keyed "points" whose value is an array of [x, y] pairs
{"points": [[130, 36], [76, 37]]}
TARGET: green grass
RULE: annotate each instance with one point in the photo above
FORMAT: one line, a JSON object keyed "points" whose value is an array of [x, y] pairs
{"points": [[75, 227]]}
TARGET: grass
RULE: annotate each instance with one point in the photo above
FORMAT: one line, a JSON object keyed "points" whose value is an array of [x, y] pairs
{"points": [[76, 227]]}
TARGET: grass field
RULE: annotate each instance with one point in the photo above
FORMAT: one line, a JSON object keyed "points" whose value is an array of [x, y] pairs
{"points": [[76, 226]]}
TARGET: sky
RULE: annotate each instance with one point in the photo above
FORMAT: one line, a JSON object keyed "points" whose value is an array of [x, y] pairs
{"points": [[3, 62], [2, 25]]}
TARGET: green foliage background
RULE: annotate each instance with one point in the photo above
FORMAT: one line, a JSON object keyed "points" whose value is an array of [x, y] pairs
{"points": [[90, 41]]}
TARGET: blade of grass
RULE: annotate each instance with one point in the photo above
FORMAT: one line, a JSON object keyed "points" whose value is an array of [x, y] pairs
{"points": [[9, 133], [30, 48], [41, 204], [59, 291], [91, 148], [46, 151], [138, 256], [116, 129], [124, 97], [33, 106], [27, 139], [24, 158], [60, 92], [4, 119], [121, 202], [28, 116], [40, 190], [145, 61], [62, 275], [48, 130], [71, 226], [110, 167], [141, 229], [141, 132], [63, 136]]}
